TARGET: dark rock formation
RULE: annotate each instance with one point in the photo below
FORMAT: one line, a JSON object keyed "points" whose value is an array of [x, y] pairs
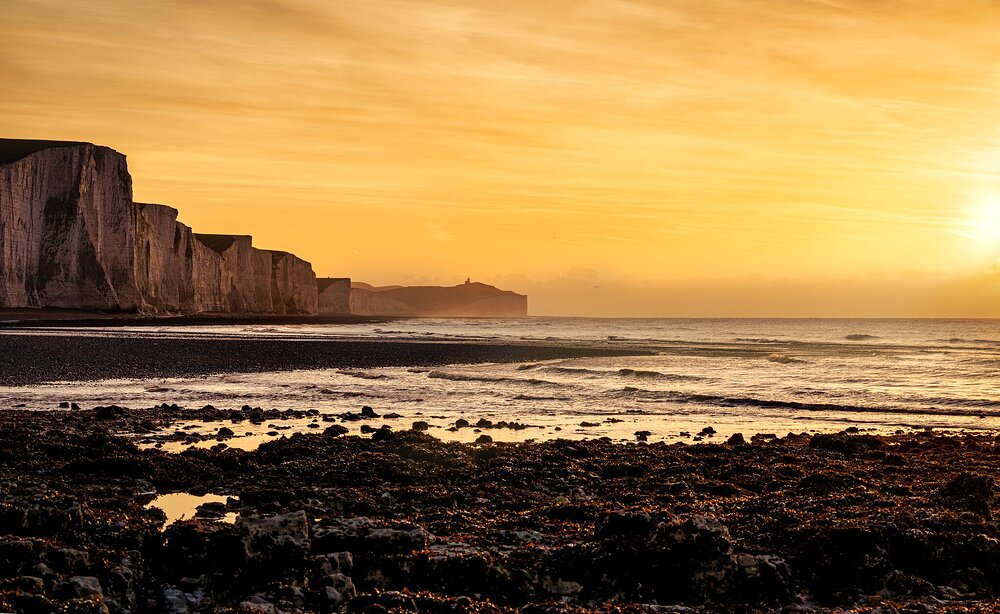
{"points": [[471, 299]]}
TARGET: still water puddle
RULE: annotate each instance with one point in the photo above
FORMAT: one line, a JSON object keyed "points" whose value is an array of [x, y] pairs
{"points": [[183, 506]]}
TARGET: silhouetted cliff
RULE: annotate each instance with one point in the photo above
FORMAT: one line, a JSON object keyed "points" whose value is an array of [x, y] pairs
{"points": [[466, 300]]}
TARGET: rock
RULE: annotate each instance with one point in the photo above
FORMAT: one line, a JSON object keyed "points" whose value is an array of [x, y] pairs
{"points": [[708, 431], [420, 425], [276, 540], [212, 510], [80, 587], [848, 444], [71, 561], [368, 412], [383, 433], [484, 439], [224, 433], [332, 597], [336, 430], [174, 601], [972, 491], [258, 604], [29, 584], [736, 440], [342, 584], [642, 435], [461, 423]]}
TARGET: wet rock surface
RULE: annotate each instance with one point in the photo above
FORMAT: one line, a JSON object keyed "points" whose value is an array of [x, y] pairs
{"points": [[404, 522]]}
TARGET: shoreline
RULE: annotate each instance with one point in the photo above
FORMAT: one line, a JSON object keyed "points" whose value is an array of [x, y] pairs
{"points": [[34, 359], [33, 318], [400, 520]]}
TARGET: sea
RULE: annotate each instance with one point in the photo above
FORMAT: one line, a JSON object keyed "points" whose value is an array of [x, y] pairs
{"points": [[750, 376]]}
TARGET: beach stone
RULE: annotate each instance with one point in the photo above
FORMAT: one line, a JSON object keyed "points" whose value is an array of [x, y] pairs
{"points": [[278, 540], [211, 510], [29, 584], [420, 425], [258, 605], [383, 433], [336, 430], [341, 583], [368, 412], [80, 587], [332, 597], [736, 440], [174, 601], [484, 439], [360, 534], [71, 560]]}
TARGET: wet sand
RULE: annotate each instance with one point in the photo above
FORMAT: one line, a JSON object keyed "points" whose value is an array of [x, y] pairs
{"points": [[400, 521], [32, 359]]}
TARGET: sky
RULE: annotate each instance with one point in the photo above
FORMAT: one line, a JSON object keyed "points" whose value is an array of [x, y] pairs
{"points": [[607, 157]]}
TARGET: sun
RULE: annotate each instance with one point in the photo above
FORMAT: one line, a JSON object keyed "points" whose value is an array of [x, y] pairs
{"points": [[984, 222]]}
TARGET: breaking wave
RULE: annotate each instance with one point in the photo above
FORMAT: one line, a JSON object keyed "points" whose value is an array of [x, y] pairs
{"points": [[674, 396], [657, 375], [464, 377], [784, 360]]}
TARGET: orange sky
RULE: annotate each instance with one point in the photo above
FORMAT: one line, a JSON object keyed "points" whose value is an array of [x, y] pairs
{"points": [[609, 157]]}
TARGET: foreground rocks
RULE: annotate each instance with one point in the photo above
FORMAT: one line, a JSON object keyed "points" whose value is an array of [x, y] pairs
{"points": [[405, 522]]}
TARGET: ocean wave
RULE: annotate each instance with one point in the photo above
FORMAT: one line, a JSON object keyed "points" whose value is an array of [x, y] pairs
{"points": [[528, 397], [674, 396], [784, 360], [639, 373], [861, 337], [970, 341], [463, 377], [363, 375]]}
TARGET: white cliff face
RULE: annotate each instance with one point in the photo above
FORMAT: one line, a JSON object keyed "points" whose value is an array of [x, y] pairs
{"points": [[262, 263], [163, 259], [367, 303], [71, 236], [334, 295], [293, 284], [67, 224]]}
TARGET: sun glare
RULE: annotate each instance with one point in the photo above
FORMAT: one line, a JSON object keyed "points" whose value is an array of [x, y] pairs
{"points": [[984, 223]]}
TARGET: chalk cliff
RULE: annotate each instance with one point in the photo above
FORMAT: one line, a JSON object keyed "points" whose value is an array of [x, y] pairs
{"points": [[67, 227], [334, 295], [293, 284], [71, 236], [471, 299]]}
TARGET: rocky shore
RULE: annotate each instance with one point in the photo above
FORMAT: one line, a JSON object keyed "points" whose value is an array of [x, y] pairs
{"points": [[400, 521]]}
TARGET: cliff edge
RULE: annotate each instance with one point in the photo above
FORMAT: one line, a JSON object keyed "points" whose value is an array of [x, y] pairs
{"points": [[71, 236]]}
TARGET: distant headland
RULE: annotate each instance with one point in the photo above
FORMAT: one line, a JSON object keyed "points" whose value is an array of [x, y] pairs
{"points": [[72, 237]]}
